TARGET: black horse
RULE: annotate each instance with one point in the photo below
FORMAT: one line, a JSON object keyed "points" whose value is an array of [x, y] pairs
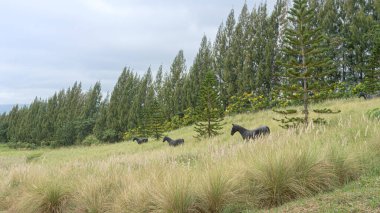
{"points": [[173, 142], [140, 140], [365, 95], [250, 134], [368, 96]]}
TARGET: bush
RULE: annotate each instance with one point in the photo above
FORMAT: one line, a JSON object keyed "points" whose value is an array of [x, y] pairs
{"points": [[90, 140], [111, 136], [22, 145]]}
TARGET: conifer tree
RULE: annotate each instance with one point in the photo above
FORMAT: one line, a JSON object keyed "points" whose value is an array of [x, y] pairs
{"points": [[219, 55], [372, 72], [202, 63], [101, 120], [308, 65], [156, 120], [209, 111]]}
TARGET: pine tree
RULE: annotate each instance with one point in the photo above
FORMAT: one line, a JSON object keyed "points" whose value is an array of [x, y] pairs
{"points": [[229, 65], [372, 72], [209, 111], [101, 120], [202, 63], [156, 120], [219, 55], [308, 65]]}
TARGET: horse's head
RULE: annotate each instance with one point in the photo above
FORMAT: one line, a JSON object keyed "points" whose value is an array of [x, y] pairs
{"points": [[134, 139], [234, 129], [165, 139]]}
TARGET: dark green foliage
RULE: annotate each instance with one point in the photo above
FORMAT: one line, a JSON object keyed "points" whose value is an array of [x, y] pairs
{"points": [[319, 121], [209, 111], [285, 112], [111, 136], [290, 122], [326, 111]]}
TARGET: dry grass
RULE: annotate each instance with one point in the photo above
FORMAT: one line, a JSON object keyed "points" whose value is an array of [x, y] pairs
{"points": [[223, 174]]}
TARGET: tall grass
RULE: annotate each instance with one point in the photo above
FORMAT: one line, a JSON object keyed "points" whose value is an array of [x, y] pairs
{"points": [[223, 174], [173, 193], [297, 170], [48, 196], [219, 189]]}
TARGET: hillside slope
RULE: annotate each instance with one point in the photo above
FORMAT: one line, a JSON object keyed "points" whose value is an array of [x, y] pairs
{"points": [[222, 174]]}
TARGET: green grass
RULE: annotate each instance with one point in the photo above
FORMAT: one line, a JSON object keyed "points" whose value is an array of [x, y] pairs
{"points": [[222, 174]]}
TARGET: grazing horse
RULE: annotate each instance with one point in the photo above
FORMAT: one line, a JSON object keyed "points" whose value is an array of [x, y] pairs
{"points": [[368, 96], [140, 140], [365, 95], [173, 142], [250, 134]]}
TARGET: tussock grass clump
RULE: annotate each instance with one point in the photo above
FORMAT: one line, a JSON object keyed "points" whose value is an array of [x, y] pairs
{"points": [[33, 157], [220, 189], [346, 163], [46, 196], [289, 172], [173, 192], [95, 194]]}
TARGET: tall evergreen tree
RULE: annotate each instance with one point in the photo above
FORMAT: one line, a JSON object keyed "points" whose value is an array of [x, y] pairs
{"points": [[209, 111], [156, 120], [229, 67], [202, 63], [308, 65], [101, 120], [372, 71], [219, 57], [173, 86]]}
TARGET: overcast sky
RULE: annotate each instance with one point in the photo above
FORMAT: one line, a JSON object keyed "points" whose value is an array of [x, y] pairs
{"points": [[47, 45]]}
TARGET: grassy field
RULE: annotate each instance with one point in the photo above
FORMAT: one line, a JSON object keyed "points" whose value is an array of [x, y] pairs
{"points": [[321, 168]]}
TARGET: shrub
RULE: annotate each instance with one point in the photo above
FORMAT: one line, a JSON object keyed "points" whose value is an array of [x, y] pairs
{"points": [[90, 140], [111, 136]]}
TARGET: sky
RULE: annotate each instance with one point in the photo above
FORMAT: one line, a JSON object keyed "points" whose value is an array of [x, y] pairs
{"points": [[47, 45]]}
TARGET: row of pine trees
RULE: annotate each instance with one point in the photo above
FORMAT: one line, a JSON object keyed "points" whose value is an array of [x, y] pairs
{"points": [[249, 66]]}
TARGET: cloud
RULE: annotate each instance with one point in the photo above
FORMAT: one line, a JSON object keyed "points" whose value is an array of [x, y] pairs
{"points": [[47, 45]]}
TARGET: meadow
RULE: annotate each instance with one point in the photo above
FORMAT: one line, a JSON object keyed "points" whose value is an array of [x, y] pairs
{"points": [[221, 174]]}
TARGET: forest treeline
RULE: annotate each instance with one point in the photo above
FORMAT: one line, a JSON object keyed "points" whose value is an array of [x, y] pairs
{"points": [[246, 59]]}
